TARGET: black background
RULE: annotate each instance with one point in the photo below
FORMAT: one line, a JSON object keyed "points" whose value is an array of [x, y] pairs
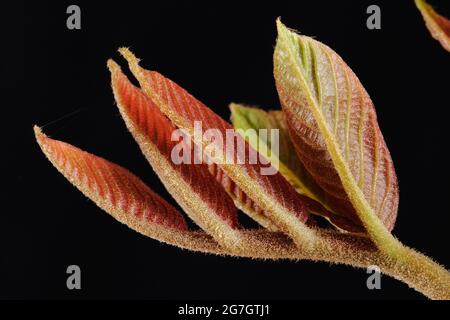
{"points": [[220, 52]]}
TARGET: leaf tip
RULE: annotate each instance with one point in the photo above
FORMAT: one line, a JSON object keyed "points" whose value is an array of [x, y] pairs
{"points": [[438, 25], [37, 130], [43, 141], [234, 107], [128, 55], [420, 3], [280, 26], [39, 135], [283, 30], [423, 7], [112, 66], [238, 113]]}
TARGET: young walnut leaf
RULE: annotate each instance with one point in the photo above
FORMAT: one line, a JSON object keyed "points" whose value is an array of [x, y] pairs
{"points": [[438, 25], [334, 128], [272, 193], [252, 120], [211, 208], [123, 195], [290, 166]]}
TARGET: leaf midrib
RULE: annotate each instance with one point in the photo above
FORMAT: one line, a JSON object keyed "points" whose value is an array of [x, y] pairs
{"points": [[378, 232]]}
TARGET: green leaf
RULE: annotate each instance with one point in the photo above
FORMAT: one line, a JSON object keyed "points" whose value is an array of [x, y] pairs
{"points": [[245, 118]]}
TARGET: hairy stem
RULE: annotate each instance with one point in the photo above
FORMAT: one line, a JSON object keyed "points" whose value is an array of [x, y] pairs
{"points": [[411, 267]]}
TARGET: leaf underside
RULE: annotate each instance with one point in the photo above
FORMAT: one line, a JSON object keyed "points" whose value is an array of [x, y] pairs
{"points": [[274, 195], [211, 208], [333, 125], [438, 25], [123, 195]]}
